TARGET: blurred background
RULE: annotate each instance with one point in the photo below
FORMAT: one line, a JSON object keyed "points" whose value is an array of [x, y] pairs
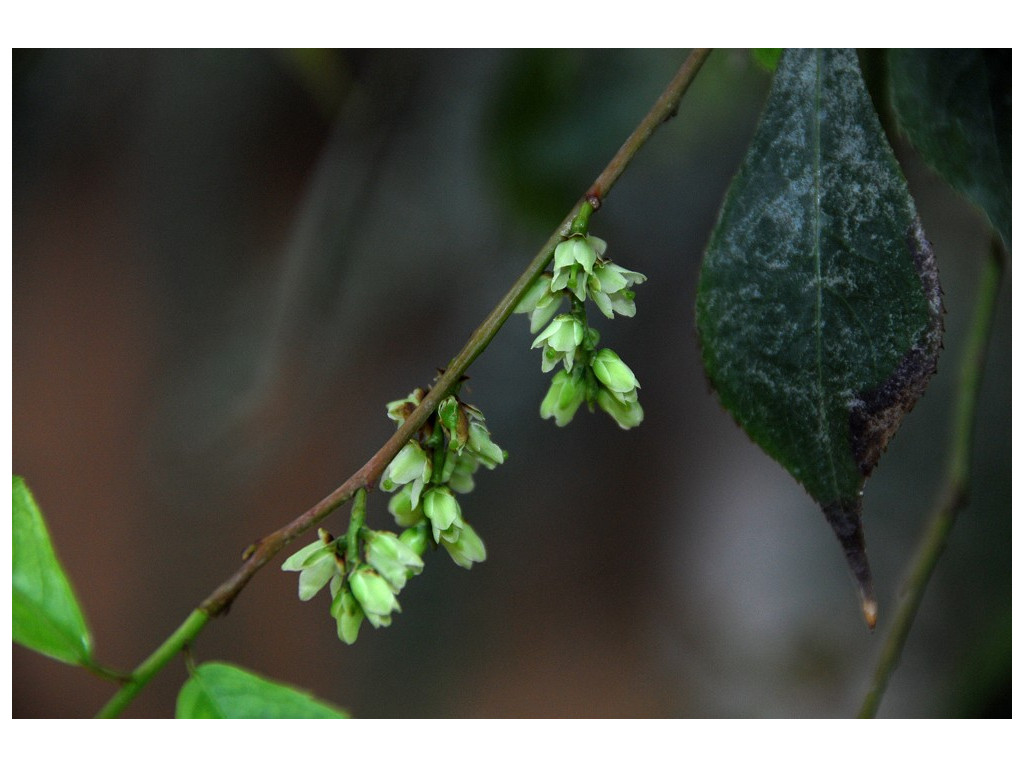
{"points": [[227, 262]]}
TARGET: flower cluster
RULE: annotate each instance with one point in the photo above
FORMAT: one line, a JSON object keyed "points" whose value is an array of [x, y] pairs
{"points": [[590, 375], [431, 468], [366, 569], [368, 586]]}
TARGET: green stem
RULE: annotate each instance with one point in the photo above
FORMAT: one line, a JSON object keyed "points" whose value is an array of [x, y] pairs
{"points": [[262, 551], [581, 224], [182, 636], [355, 523], [955, 493]]}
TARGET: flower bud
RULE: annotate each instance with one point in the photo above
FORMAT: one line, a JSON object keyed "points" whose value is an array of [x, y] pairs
{"points": [[563, 335], [468, 549], [375, 596], [416, 538], [626, 415], [537, 292], [410, 463], [401, 508], [441, 508], [346, 611], [392, 559], [564, 397], [612, 372], [483, 447]]}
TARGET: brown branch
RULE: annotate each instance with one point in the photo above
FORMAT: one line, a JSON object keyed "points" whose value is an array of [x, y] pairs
{"points": [[263, 550]]}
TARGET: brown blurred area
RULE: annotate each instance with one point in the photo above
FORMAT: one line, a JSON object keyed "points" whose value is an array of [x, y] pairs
{"points": [[227, 262]]}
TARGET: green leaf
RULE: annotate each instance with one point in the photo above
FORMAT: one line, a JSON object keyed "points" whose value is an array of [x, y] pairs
{"points": [[46, 616], [768, 58], [954, 105], [225, 691], [818, 306]]}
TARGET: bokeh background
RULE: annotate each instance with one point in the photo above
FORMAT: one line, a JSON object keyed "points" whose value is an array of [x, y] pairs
{"points": [[226, 262]]}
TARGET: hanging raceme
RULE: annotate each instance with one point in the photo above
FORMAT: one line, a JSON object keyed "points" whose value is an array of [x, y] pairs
{"points": [[589, 375], [367, 569]]}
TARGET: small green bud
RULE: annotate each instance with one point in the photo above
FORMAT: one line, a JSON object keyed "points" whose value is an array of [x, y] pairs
{"points": [[401, 507], [416, 538], [612, 372], [467, 549], [375, 596], [483, 447], [448, 412], [349, 616], [461, 480], [626, 415], [441, 508], [564, 398]]}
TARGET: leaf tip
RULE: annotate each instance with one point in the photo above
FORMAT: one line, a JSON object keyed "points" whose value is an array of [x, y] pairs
{"points": [[869, 606], [844, 517]]}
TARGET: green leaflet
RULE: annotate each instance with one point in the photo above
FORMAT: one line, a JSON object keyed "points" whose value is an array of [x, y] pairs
{"points": [[45, 616], [818, 305], [217, 690], [954, 105]]}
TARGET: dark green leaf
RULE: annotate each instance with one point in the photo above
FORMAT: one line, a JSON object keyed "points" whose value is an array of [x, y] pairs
{"points": [[45, 614], [818, 306], [218, 690], [954, 105]]}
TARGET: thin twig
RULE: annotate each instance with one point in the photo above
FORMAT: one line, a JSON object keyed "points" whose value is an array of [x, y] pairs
{"points": [[956, 490], [263, 550]]}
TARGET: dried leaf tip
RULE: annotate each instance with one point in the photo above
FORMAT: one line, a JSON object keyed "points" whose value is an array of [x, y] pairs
{"points": [[844, 518], [870, 608]]}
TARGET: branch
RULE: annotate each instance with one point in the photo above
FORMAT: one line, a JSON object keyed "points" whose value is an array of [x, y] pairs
{"points": [[955, 495], [263, 550]]}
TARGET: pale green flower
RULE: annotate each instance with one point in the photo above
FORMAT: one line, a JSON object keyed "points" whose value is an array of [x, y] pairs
{"points": [[540, 302], [565, 396], [411, 465], [401, 507], [613, 373], [559, 342], [583, 250], [348, 614], [609, 286], [468, 549], [375, 596], [392, 558], [443, 512], [417, 538], [485, 449], [317, 564], [626, 414]]}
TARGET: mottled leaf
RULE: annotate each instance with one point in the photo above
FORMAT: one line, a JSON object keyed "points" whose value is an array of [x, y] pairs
{"points": [[45, 615], [954, 105], [216, 690], [818, 306]]}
